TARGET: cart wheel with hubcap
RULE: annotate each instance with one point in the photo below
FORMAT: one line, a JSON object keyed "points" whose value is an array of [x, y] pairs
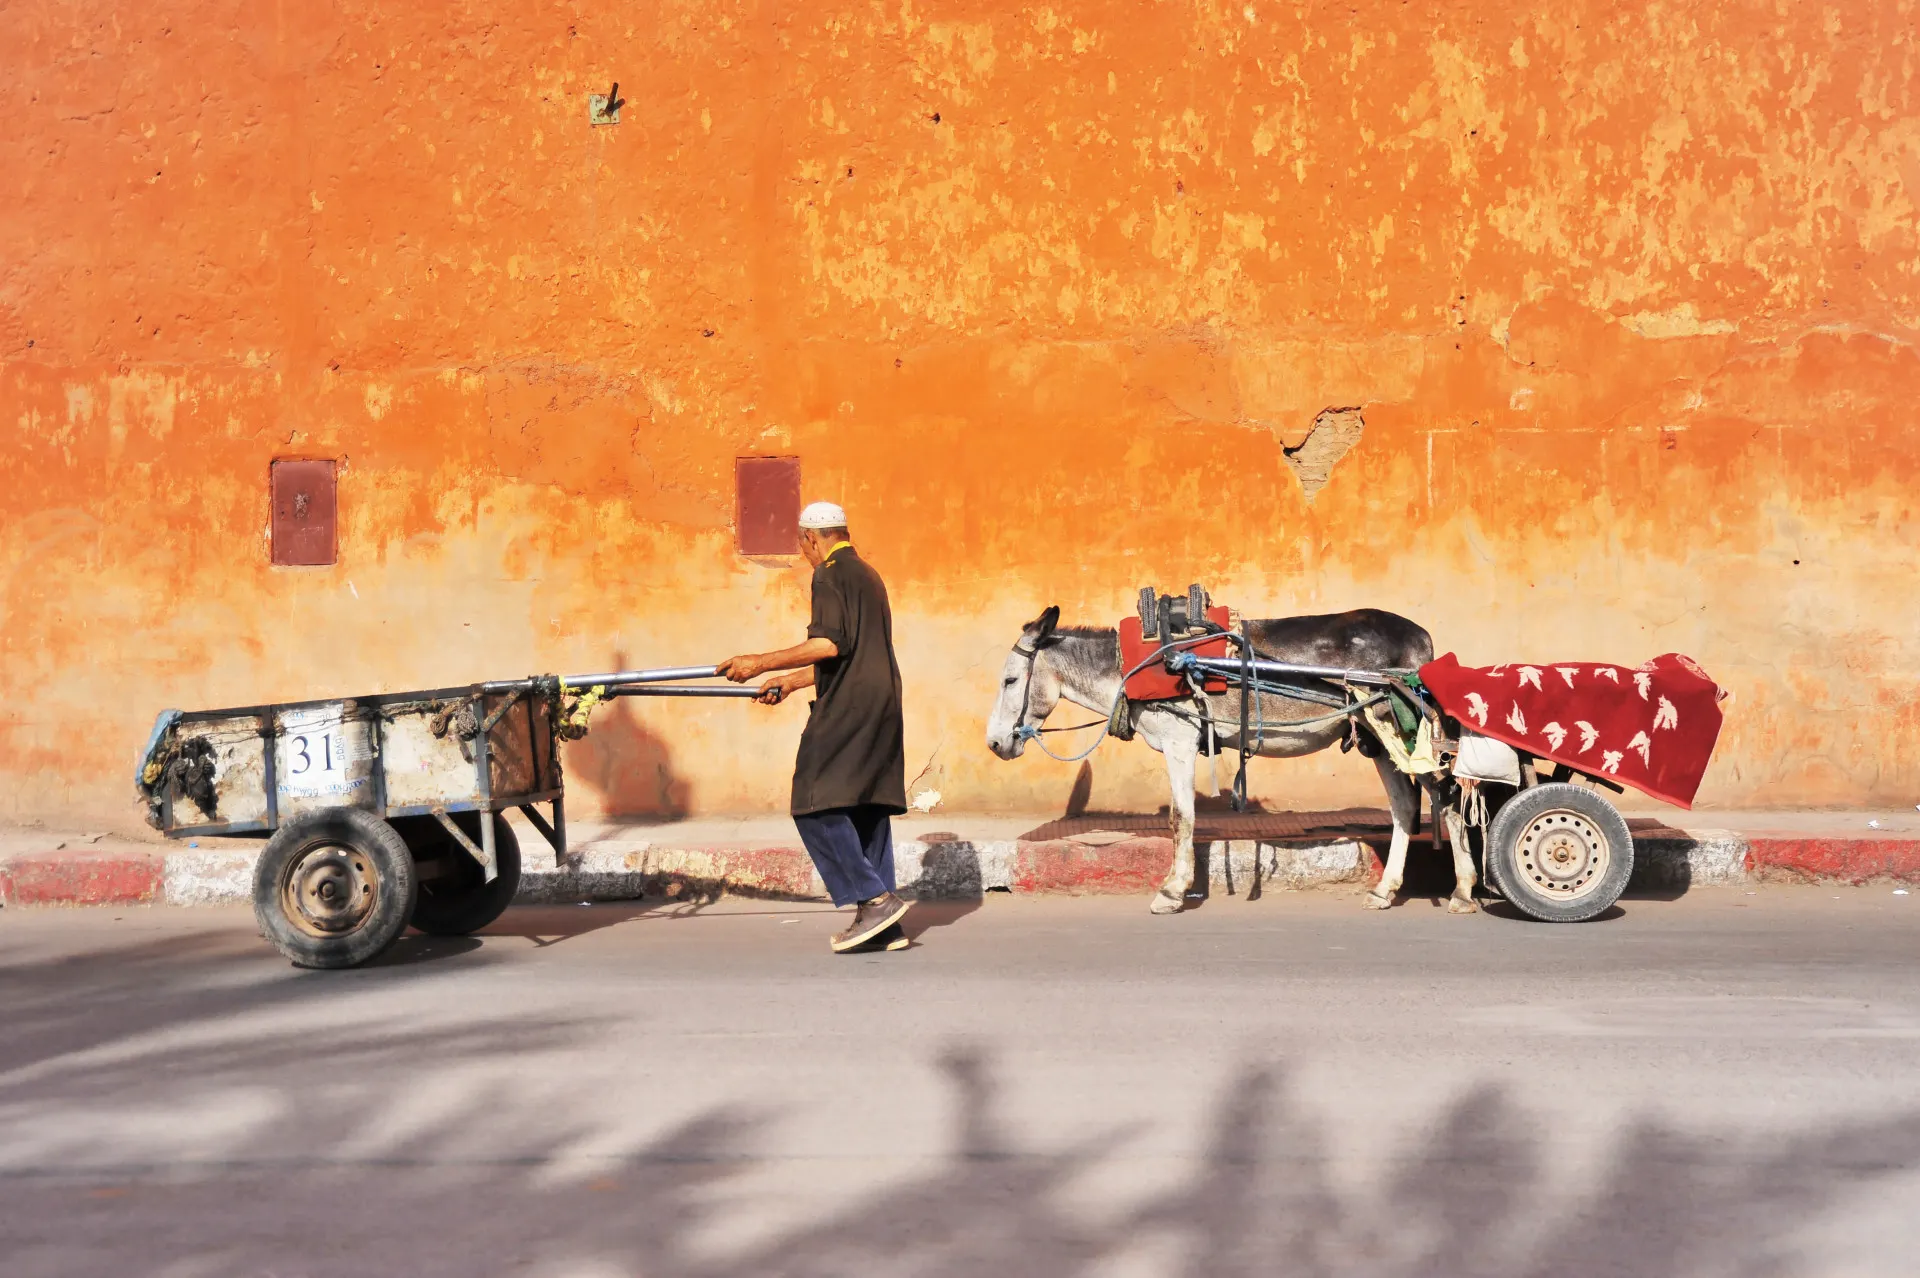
{"points": [[455, 897], [1559, 853], [333, 888]]}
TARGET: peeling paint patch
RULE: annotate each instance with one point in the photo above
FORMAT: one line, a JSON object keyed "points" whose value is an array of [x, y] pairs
{"points": [[379, 399], [1682, 321], [1335, 432]]}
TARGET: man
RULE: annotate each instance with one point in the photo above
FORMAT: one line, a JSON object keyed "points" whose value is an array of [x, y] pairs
{"points": [[849, 779]]}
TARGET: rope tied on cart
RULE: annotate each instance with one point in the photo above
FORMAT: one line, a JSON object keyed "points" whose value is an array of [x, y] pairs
{"points": [[1473, 803], [571, 718], [460, 718]]}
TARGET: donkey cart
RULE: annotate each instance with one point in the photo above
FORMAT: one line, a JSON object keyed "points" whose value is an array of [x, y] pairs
{"points": [[1512, 758], [1519, 752], [384, 811]]}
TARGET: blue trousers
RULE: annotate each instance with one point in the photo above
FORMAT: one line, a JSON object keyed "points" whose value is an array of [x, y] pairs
{"points": [[853, 850]]}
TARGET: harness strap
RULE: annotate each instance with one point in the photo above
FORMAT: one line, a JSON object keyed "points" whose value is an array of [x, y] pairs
{"points": [[1250, 690], [1029, 732]]}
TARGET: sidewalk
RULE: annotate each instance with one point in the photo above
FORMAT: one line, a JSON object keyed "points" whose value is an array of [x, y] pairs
{"points": [[964, 855]]}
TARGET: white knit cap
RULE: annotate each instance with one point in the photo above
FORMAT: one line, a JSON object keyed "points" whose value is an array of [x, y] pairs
{"points": [[823, 514]]}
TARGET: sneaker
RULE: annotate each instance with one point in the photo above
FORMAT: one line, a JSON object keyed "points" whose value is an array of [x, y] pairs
{"points": [[870, 919], [894, 938]]}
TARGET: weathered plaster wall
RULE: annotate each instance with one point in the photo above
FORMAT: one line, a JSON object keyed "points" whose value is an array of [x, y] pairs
{"points": [[1628, 295]]}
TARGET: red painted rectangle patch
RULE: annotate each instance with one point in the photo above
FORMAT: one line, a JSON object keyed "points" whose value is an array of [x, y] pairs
{"points": [[767, 505], [305, 512]]}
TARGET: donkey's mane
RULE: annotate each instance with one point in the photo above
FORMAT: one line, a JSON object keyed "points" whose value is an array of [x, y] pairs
{"points": [[1096, 650]]}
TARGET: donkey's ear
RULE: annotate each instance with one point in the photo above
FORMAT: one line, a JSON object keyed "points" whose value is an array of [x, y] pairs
{"points": [[1043, 627]]}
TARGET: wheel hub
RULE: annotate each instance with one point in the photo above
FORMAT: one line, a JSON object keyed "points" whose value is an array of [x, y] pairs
{"points": [[330, 890], [1564, 854]]}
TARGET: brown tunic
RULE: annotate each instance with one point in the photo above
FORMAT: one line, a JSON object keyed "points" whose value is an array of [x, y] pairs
{"points": [[853, 750]]}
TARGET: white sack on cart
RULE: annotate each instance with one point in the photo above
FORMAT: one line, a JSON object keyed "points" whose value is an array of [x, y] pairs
{"points": [[1484, 759]]}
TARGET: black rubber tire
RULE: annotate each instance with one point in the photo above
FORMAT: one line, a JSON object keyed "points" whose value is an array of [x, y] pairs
{"points": [[461, 902], [366, 864], [1578, 810]]}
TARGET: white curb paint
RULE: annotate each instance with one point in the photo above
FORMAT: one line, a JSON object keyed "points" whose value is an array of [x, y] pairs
{"points": [[953, 869], [1241, 867], [1702, 857], [208, 878]]}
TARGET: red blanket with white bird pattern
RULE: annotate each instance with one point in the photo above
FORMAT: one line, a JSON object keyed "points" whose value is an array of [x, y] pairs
{"points": [[1652, 727]]}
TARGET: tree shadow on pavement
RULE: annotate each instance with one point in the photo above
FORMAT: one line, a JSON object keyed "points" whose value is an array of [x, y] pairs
{"points": [[76, 1003], [328, 1175]]}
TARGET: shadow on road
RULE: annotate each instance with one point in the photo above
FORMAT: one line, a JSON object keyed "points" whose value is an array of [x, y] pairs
{"points": [[328, 1177]]}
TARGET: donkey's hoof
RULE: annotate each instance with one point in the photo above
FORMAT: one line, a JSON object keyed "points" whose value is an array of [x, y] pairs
{"points": [[1164, 904], [1457, 906], [1375, 901]]}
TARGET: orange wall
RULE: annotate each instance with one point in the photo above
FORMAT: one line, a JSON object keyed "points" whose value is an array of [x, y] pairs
{"points": [[1628, 292]]}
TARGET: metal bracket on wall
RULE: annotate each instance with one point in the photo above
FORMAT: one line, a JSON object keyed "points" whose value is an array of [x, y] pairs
{"points": [[604, 108]]}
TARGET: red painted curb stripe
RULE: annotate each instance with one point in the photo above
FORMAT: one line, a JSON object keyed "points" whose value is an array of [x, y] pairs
{"points": [[53, 879], [785, 870], [1849, 860], [1061, 865]]}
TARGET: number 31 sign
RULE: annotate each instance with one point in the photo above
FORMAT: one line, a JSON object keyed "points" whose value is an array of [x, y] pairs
{"points": [[316, 746]]}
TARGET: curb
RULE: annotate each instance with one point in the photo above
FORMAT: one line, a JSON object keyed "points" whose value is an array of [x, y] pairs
{"points": [[940, 870], [1701, 857], [109, 877], [626, 873], [1852, 861]]}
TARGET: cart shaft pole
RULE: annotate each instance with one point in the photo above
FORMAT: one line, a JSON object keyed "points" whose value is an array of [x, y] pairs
{"points": [[622, 678], [1230, 666], [684, 690], [611, 679]]}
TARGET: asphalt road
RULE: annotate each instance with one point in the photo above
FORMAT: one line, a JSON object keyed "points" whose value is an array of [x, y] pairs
{"points": [[1726, 1084]]}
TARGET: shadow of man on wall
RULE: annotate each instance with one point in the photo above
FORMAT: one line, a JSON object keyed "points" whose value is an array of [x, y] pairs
{"points": [[627, 765]]}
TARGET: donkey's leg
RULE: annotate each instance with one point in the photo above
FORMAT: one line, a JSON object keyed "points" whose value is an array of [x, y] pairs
{"points": [[1181, 755], [1403, 797], [1461, 902]]}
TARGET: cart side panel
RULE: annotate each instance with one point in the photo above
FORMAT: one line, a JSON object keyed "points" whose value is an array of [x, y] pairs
{"points": [[324, 758], [540, 733], [422, 770], [239, 776], [520, 746], [546, 712]]}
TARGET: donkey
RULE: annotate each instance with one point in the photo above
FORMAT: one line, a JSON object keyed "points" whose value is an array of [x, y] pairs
{"points": [[1081, 664]]}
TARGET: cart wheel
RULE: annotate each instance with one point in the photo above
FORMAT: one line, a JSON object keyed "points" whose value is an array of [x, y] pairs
{"points": [[333, 888], [1560, 854], [457, 899]]}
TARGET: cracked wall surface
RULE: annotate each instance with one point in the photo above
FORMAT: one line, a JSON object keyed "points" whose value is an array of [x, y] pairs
{"points": [[1331, 437], [1626, 295]]}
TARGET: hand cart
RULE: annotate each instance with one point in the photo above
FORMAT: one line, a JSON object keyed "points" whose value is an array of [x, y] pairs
{"points": [[387, 810]]}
